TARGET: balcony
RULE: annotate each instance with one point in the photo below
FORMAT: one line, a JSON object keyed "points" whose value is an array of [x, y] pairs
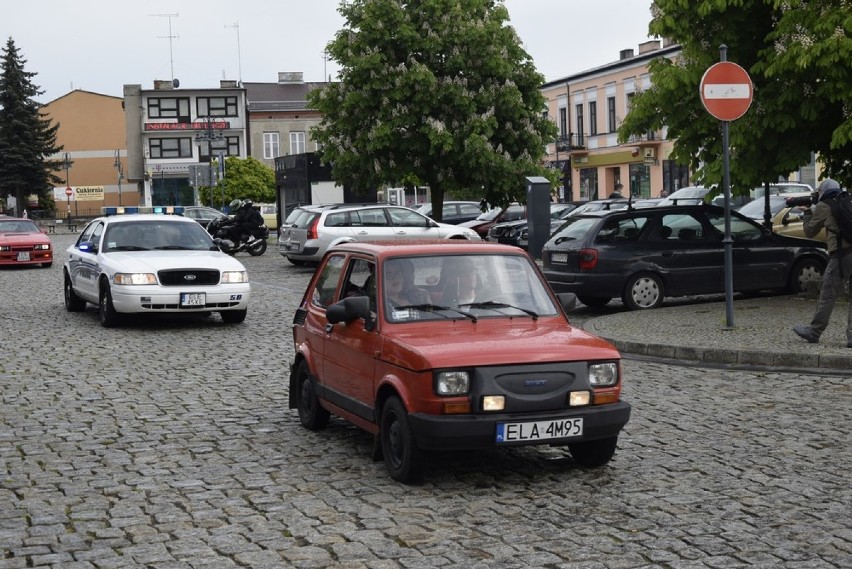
{"points": [[571, 142], [651, 138]]}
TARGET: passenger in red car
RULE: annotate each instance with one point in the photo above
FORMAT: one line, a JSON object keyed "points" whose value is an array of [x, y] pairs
{"points": [[399, 285]]}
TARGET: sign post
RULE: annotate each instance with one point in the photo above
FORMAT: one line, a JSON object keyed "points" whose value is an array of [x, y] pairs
{"points": [[68, 193], [726, 92]]}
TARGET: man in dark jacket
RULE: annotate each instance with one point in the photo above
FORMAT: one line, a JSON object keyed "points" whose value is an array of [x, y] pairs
{"points": [[246, 221], [838, 270]]}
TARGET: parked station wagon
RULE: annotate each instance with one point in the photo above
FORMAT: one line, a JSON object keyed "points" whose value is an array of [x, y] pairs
{"points": [[447, 345]]}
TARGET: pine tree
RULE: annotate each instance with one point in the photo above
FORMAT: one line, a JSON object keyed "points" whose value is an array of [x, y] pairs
{"points": [[27, 137]]}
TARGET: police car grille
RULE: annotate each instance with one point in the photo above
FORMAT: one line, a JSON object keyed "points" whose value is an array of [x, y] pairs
{"points": [[188, 277]]}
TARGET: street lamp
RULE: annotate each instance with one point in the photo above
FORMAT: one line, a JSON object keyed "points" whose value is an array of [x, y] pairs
{"points": [[67, 163], [209, 134], [120, 169]]}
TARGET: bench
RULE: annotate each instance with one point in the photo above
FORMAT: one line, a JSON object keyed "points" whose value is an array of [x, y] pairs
{"points": [[51, 227]]}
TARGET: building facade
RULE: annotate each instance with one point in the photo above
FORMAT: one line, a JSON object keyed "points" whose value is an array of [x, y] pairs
{"points": [[588, 109], [279, 117], [177, 138], [92, 136]]}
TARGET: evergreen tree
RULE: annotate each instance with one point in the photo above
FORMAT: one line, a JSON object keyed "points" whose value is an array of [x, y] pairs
{"points": [[437, 93], [27, 137]]}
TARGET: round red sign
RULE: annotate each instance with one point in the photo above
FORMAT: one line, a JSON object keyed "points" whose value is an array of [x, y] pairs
{"points": [[68, 191], [726, 91]]}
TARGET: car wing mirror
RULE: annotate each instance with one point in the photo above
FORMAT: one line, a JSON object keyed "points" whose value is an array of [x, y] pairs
{"points": [[88, 247], [349, 309]]}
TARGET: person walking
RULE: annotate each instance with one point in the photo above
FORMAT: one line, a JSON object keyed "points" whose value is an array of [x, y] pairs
{"points": [[839, 268]]}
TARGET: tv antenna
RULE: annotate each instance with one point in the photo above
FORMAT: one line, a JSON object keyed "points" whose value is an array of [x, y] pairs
{"points": [[236, 26], [170, 38]]}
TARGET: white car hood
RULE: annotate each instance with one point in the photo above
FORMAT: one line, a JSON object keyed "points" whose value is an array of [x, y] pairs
{"points": [[153, 261]]}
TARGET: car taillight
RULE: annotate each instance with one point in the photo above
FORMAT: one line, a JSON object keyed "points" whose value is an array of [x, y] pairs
{"points": [[588, 259], [312, 230]]}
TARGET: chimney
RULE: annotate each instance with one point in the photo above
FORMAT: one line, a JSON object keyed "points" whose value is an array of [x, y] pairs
{"points": [[651, 45], [625, 54], [289, 77], [228, 84], [163, 84]]}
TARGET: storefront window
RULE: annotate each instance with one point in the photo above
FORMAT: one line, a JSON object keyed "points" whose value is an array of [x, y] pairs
{"points": [[640, 180]]}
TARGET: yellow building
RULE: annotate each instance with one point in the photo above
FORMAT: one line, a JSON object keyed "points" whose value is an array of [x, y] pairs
{"points": [[92, 134]]}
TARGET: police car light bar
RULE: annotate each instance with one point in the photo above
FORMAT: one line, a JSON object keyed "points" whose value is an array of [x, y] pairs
{"points": [[160, 209]]}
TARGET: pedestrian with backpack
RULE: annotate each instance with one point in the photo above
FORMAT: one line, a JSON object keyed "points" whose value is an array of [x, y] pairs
{"points": [[833, 205]]}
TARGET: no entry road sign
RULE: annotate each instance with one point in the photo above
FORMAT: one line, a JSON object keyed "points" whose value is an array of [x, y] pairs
{"points": [[726, 91]]}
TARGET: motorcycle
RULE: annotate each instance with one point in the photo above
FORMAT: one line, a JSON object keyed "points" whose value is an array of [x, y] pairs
{"points": [[254, 244]]}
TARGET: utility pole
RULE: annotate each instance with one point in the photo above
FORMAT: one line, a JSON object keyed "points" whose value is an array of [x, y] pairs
{"points": [[120, 170], [170, 38]]}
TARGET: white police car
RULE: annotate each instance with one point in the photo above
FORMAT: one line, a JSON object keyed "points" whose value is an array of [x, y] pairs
{"points": [[145, 263]]}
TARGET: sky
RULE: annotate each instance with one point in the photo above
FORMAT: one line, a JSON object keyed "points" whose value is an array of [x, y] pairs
{"points": [[101, 45]]}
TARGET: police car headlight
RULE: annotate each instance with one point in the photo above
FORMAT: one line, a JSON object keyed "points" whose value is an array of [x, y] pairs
{"points": [[135, 279], [603, 374], [235, 277], [452, 382]]}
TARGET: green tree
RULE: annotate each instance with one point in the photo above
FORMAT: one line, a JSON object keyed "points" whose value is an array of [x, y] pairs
{"points": [[797, 106], [27, 137], [247, 178], [433, 92]]}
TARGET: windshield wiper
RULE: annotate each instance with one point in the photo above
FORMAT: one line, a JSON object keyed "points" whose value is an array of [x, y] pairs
{"points": [[128, 248], [172, 248], [495, 305], [561, 239], [433, 308]]}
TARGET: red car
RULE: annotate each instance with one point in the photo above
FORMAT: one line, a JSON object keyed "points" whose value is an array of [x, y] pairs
{"points": [[22, 242], [450, 345]]}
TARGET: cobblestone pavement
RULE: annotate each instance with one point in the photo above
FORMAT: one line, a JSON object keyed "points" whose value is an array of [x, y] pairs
{"points": [[167, 444]]}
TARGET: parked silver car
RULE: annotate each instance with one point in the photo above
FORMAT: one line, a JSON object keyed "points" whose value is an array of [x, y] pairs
{"points": [[308, 235]]}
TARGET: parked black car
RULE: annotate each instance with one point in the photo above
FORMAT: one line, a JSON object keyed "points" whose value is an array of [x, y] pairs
{"points": [[517, 232], [644, 255]]}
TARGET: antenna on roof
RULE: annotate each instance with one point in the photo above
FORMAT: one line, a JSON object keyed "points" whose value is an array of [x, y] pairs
{"points": [[236, 26], [170, 37]]}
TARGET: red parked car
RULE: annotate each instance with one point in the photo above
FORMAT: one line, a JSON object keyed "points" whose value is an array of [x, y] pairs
{"points": [[450, 345], [22, 242]]}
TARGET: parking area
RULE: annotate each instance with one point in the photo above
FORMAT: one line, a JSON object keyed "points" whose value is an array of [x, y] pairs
{"points": [[168, 444]]}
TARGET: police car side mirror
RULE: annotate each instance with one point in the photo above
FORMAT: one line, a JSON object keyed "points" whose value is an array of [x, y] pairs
{"points": [[88, 247]]}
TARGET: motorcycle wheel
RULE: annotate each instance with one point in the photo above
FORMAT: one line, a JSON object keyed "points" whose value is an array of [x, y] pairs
{"points": [[258, 248]]}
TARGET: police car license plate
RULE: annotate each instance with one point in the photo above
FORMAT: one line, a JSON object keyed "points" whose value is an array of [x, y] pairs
{"points": [[539, 430], [193, 299], [23, 255]]}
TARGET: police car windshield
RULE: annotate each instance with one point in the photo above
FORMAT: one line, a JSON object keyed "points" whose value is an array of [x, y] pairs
{"points": [[162, 235]]}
